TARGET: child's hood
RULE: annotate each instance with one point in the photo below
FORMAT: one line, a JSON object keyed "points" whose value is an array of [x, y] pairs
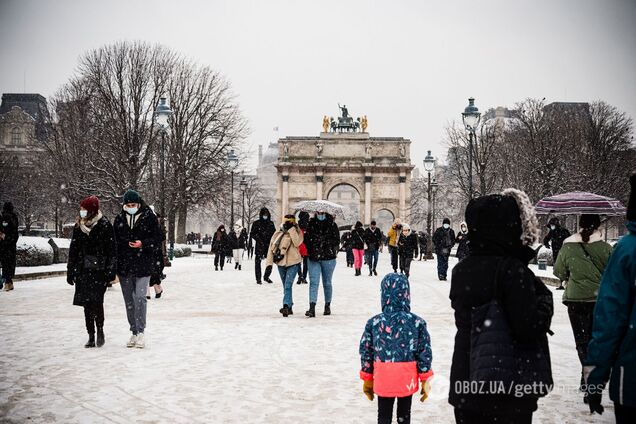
{"points": [[396, 294]]}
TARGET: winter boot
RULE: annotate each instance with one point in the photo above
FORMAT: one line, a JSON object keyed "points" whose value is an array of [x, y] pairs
{"points": [[236, 265], [268, 280], [375, 272], [8, 285], [100, 337], [284, 310], [370, 273], [216, 267], [258, 282], [132, 341], [240, 267], [327, 308], [140, 343], [311, 313], [91, 340]]}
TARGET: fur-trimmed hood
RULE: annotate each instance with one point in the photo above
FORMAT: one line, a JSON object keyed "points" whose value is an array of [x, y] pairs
{"points": [[577, 238]]}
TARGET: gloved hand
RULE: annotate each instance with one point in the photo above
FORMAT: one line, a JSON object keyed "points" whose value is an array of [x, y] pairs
{"points": [[287, 225], [69, 280], [594, 402], [367, 388], [426, 388]]}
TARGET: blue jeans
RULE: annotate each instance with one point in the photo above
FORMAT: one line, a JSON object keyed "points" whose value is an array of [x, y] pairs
{"points": [[316, 269], [372, 258], [287, 275], [442, 265]]}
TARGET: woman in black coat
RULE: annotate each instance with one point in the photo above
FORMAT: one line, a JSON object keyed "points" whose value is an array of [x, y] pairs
{"points": [[91, 266], [462, 241], [501, 228], [407, 248], [220, 246]]}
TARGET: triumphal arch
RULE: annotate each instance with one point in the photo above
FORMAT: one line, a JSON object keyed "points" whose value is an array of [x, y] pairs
{"points": [[344, 153]]}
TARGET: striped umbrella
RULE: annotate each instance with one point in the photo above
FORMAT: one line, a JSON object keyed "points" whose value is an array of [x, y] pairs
{"points": [[578, 203]]}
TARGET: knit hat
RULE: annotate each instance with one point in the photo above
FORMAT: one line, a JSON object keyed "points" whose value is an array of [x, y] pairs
{"points": [[131, 196], [290, 218], [91, 204], [358, 224], [446, 221], [631, 206], [406, 226]]}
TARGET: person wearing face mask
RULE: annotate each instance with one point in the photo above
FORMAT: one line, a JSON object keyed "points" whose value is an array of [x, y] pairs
{"points": [[220, 243], [91, 266], [357, 246], [8, 242], [554, 240], [322, 241], [407, 249], [373, 238], [237, 240], [136, 234], [262, 231], [444, 240], [284, 251], [462, 241]]}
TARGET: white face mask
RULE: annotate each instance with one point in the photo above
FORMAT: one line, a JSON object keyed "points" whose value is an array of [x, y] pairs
{"points": [[552, 227], [83, 214], [132, 211], [446, 226]]}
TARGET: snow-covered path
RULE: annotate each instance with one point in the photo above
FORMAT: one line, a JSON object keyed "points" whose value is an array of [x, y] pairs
{"points": [[218, 351]]}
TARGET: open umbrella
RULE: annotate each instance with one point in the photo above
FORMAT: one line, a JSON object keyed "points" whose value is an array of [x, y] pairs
{"points": [[578, 203], [331, 208]]}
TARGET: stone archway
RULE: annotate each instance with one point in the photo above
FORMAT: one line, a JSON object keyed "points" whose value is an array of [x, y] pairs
{"points": [[348, 196], [384, 219], [377, 167]]}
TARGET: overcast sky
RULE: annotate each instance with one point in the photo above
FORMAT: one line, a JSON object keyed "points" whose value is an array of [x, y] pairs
{"points": [[408, 65]]}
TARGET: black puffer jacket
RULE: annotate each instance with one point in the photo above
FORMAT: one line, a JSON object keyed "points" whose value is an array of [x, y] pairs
{"points": [[444, 240], [131, 261], [322, 239], [221, 242], [494, 227], [90, 285], [408, 246], [373, 238], [357, 238], [262, 232]]}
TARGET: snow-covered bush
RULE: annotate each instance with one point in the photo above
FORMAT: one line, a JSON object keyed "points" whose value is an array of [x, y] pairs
{"points": [[545, 253], [181, 250], [34, 251], [60, 249]]}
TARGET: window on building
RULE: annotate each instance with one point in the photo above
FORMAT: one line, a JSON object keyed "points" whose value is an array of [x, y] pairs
{"points": [[16, 136]]}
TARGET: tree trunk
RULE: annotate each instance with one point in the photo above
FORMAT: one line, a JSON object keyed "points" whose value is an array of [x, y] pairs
{"points": [[171, 226], [181, 225]]}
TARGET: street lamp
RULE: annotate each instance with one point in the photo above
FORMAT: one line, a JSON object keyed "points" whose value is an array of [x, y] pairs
{"points": [[162, 116], [434, 187], [243, 187], [471, 117], [232, 162], [429, 166]]}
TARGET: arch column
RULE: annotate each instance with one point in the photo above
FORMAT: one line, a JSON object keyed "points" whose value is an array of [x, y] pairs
{"points": [[367, 197], [319, 181], [402, 201], [285, 200]]}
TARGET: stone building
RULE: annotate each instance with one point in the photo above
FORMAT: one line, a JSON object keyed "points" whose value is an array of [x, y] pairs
{"points": [[377, 169], [22, 123]]}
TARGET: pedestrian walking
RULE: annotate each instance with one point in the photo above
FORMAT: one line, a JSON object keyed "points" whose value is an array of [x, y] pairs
{"points": [[393, 235], [136, 235], [581, 263], [444, 240], [407, 249], [357, 246], [502, 314], [303, 222], [262, 231], [283, 251], [158, 266], [250, 246], [373, 238], [322, 243], [8, 243], [91, 266], [554, 240], [462, 241], [238, 240], [220, 247], [611, 353], [422, 238], [395, 353], [346, 245]]}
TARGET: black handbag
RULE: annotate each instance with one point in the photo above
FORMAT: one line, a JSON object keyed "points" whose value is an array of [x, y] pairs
{"points": [[500, 361], [277, 255], [94, 263]]}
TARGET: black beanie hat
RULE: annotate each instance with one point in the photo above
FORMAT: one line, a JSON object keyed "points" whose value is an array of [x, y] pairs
{"points": [[446, 221], [631, 206]]}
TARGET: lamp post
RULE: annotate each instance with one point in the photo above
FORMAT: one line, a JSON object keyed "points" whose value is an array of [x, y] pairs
{"points": [[243, 187], [162, 115], [232, 162], [434, 187], [429, 166], [470, 118]]}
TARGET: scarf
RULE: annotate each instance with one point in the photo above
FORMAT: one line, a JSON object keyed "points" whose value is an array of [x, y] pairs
{"points": [[86, 225]]}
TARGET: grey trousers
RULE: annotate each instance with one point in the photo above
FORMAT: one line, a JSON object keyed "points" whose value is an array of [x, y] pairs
{"points": [[134, 291]]}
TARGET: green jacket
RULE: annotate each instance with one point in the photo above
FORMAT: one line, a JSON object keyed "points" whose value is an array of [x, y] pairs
{"points": [[581, 273]]}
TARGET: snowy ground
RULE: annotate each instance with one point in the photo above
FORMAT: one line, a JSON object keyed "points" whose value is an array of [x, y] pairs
{"points": [[218, 351]]}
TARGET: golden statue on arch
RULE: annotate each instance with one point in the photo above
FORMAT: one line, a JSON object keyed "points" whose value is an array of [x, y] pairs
{"points": [[364, 123], [325, 124]]}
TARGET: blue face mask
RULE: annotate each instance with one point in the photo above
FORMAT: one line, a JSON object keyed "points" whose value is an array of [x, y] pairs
{"points": [[83, 214], [446, 226], [132, 211], [321, 216]]}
